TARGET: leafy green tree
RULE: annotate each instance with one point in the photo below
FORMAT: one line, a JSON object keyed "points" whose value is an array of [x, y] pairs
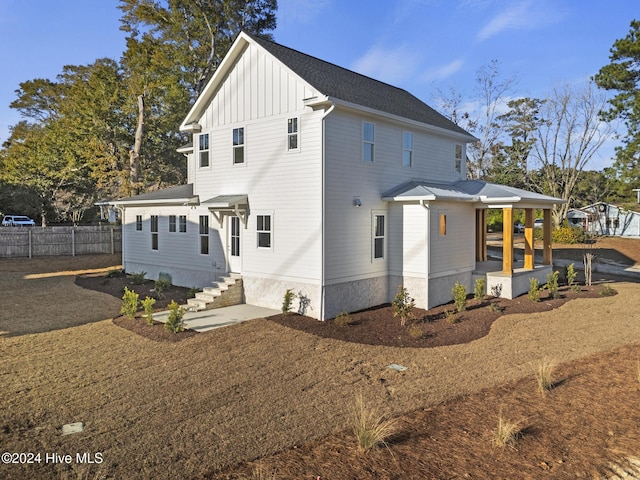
{"points": [[622, 75]]}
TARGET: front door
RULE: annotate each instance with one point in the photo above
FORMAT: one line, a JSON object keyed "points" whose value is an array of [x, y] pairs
{"points": [[233, 245]]}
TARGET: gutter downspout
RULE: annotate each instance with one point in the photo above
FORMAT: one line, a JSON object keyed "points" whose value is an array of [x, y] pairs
{"points": [[427, 257], [323, 201], [122, 242]]}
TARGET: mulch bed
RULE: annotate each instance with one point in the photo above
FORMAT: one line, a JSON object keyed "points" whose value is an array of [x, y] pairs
{"points": [[114, 283], [377, 326]]}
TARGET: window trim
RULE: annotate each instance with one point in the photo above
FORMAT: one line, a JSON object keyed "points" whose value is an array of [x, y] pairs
{"points": [[291, 134], [264, 231], [375, 235], [406, 149], [238, 146], [457, 161], [201, 150], [203, 237], [153, 227], [366, 142]]}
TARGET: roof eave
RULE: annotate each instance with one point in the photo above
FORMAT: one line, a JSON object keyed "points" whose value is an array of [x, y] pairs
{"points": [[442, 131], [154, 202]]}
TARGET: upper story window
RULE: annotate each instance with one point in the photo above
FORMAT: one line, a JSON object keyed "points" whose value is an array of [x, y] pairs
{"points": [[407, 149], [182, 223], [139, 223], [458, 158], [172, 223], [292, 134], [368, 135], [238, 145], [203, 149]]}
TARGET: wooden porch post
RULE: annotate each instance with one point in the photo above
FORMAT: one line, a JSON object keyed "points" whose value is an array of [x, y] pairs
{"points": [[528, 239], [507, 240], [481, 235], [546, 238]]}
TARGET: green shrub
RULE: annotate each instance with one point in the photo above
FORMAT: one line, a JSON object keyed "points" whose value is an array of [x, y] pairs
{"points": [[552, 284], [175, 321], [130, 301], [287, 302], [459, 292], [571, 277], [568, 235], [191, 293], [607, 291], [147, 305], [114, 272], [137, 278], [160, 286], [451, 316], [478, 289], [534, 290], [403, 305], [344, 319]]}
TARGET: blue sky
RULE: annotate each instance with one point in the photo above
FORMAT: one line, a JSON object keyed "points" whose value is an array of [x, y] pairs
{"points": [[420, 45]]}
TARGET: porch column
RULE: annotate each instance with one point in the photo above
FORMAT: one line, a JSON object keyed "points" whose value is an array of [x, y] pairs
{"points": [[481, 235], [528, 239], [507, 240], [546, 238]]}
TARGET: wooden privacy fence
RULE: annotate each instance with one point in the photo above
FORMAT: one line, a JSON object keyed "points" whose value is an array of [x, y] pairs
{"points": [[44, 241]]}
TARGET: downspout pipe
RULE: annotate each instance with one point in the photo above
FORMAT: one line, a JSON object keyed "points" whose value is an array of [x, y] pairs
{"points": [[323, 202]]}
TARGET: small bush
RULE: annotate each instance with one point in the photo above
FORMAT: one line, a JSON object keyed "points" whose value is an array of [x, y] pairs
{"points": [[534, 290], [607, 291], [507, 433], [568, 235], [478, 289], [571, 277], [114, 272], [147, 305], [459, 292], [130, 302], [495, 307], [137, 278], [370, 428], [544, 375], [175, 321], [451, 316], [552, 284], [496, 290], [415, 331], [160, 287], [287, 302], [344, 319], [191, 293], [403, 305]]}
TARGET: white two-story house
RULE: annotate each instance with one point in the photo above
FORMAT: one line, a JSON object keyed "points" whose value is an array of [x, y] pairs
{"points": [[307, 176]]}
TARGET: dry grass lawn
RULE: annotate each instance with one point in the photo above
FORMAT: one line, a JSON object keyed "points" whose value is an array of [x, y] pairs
{"points": [[191, 408]]}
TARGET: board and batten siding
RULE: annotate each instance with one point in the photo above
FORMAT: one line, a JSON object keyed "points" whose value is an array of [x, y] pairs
{"points": [[348, 229]]}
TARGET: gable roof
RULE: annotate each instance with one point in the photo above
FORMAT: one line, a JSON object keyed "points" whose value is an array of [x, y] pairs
{"points": [[333, 82], [467, 191]]}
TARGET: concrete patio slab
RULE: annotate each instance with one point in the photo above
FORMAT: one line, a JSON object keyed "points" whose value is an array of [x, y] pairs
{"points": [[206, 320]]}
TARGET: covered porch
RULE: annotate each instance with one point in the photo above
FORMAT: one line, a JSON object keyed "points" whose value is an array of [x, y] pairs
{"points": [[509, 277]]}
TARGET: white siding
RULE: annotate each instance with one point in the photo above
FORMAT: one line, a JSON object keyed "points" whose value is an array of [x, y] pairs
{"points": [[455, 251], [348, 236]]}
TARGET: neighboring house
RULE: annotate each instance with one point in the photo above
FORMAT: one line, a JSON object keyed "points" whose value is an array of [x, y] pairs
{"points": [[606, 219], [303, 175]]}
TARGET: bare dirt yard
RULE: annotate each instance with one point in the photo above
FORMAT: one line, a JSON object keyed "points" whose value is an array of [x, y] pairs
{"points": [[274, 398]]}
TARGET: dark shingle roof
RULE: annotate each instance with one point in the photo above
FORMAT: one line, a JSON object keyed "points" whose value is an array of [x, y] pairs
{"points": [[180, 192], [334, 81]]}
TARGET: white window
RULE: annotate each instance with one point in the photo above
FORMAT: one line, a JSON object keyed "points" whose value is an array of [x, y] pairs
{"points": [[292, 134], [407, 149], [204, 234], [154, 232], [263, 229], [238, 145], [378, 236], [368, 135], [458, 157], [203, 150]]}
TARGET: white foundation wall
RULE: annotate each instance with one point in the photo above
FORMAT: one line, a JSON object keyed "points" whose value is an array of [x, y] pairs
{"points": [[269, 293], [439, 291], [355, 295], [416, 286]]}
